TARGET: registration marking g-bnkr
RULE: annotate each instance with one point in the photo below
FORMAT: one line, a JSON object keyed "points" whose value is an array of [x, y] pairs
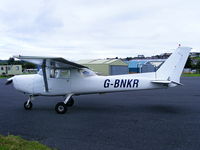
{"points": [[121, 83]]}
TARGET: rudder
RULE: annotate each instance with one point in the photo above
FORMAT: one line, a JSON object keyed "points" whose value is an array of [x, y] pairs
{"points": [[172, 68]]}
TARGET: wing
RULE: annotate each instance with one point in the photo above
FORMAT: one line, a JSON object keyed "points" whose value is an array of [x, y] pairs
{"points": [[50, 62]]}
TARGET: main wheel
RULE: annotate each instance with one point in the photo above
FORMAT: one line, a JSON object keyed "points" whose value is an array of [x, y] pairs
{"points": [[27, 105], [61, 108], [70, 103]]}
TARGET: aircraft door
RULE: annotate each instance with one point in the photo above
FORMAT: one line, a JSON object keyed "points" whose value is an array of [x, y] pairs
{"points": [[59, 81]]}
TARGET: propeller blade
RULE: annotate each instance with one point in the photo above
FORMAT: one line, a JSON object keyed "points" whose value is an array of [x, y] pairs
{"points": [[9, 81]]}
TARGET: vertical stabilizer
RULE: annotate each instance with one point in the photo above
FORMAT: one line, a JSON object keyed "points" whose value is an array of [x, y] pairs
{"points": [[172, 68]]}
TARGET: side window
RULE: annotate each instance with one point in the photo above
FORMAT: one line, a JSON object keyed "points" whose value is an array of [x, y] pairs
{"points": [[52, 73], [59, 73], [17, 67], [64, 73]]}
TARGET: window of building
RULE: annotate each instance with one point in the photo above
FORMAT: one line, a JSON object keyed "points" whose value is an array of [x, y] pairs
{"points": [[17, 67], [2, 68]]}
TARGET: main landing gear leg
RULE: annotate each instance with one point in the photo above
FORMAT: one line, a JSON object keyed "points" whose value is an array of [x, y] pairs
{"points": [[61, 107], [28, 104]]}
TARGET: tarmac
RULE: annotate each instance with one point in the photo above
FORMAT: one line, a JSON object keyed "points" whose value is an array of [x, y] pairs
{"points": [[165, 119]]}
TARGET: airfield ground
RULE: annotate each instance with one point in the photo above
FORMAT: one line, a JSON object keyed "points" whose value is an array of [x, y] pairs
{"points": [[167, 119]]}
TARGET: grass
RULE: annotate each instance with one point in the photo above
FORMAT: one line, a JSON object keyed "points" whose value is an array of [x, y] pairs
{"points": [[9, 76], [198, 58], [190, 75], [11, 142], [3, 77]]}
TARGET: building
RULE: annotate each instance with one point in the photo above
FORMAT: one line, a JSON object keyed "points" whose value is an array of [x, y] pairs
{"points": [[10, 69], [106, 66], [144, 65], [31, 71], [195, 54]]}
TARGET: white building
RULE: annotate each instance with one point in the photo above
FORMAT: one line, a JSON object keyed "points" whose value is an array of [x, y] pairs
{"points": [[10, 69]]}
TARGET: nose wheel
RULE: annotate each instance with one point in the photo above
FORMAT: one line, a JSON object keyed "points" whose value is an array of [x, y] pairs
{"points": [[28, 105]]}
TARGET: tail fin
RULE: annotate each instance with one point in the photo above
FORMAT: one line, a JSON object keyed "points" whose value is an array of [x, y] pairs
{"points": [[172, 68]]}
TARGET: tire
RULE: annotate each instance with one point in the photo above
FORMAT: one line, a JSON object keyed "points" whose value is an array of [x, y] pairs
{"points": [[61, 108], [70, 103], [28, 106]]}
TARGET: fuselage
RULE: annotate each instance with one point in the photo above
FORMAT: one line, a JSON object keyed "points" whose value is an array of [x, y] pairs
{"points": [[83, 82]]}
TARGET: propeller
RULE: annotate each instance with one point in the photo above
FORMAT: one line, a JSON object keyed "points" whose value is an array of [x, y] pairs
{"points": [[9, 81]]}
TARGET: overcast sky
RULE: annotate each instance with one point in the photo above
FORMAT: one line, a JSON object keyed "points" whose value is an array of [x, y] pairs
{"points": [[84, 29]]}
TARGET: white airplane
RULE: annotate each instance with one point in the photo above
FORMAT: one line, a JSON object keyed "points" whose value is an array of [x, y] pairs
{"points": [[59, 77]]}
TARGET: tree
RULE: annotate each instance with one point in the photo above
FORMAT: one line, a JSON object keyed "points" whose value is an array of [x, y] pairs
{"points": [[11, 61], [198, 65], [188, 63], [27, 65]]}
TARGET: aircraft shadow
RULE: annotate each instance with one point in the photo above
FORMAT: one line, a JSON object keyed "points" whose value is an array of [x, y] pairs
{"points": [[159, 109], [164, 109], [115, 108]]}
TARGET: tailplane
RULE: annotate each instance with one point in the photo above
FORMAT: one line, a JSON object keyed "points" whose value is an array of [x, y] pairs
{"points": [[172, 68]]}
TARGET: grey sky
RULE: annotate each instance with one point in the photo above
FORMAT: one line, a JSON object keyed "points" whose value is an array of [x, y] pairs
{"points": [[82, 29]]}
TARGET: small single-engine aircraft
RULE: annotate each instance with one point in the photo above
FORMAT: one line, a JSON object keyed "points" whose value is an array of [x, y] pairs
{"points": [[59, 77]]}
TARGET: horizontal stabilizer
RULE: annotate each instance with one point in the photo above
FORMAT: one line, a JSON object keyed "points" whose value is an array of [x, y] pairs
{"points": [[177, 83], [165, 82], [161, 81]]}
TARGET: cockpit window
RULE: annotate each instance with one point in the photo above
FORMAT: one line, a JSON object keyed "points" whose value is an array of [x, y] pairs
{"points": [[86, 72], [40, 72]]}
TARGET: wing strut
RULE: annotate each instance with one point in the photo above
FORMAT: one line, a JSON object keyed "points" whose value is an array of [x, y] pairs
{"points": [[45, 75]]}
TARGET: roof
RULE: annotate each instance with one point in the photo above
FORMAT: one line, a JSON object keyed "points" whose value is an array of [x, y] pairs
{"points": [[9, 65], [135, 63], [101, 61]]}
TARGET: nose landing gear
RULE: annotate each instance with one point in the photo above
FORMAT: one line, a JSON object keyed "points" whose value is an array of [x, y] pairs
{"points": [[28, 104]]}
